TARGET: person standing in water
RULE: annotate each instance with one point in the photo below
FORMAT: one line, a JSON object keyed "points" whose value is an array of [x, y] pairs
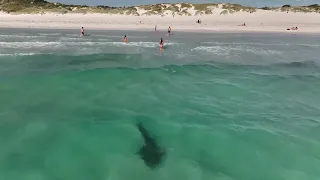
{"points": [[155, 28], [161, 44], [82, 32], [125, 39], [169, 30]]}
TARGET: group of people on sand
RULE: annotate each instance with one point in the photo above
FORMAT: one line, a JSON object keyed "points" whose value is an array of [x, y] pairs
{"points": [[293, 28], [125, 39]]}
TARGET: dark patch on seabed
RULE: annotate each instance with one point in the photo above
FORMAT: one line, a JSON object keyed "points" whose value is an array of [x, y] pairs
{"points": [[151, 153], [301, 64]]}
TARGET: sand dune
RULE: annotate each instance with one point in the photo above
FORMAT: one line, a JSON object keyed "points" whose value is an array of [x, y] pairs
{"points": [[213, 18]]}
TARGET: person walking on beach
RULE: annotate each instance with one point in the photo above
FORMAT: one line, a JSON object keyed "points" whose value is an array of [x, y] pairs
{"points": [[155, 28], [82, 32]]}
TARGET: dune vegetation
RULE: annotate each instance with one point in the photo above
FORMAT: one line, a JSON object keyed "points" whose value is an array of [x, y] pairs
{"points": [[182, 9], [305, 9]]}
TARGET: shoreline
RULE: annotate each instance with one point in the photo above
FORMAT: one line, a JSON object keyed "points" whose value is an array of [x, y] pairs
{"points": [[221, 29], [205, 31]]}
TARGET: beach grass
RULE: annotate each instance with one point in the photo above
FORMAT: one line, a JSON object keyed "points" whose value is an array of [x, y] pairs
{"points": [[184, 12], [314, 7], [150, 13], [238, 7], [172, 8], [158, 8], [186, 5], [146, 7], [132, 11], [224, 12], [266, 8], [208, 11], [204, 7], [306, 9], [289, 8], [199, 13]]}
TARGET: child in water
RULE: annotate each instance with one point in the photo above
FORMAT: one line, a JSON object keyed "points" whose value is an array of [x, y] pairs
{"points": [[161, 43], [125, 39], [82, 32]]}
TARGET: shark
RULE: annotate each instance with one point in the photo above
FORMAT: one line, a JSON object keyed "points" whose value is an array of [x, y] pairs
{"points": [[151, 152]]}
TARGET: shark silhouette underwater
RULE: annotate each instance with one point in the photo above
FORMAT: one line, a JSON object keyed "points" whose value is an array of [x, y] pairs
{"points": [[151, 153]]}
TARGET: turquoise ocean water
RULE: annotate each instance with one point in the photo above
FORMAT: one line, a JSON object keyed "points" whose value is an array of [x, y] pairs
{"points": [[221, 106]]}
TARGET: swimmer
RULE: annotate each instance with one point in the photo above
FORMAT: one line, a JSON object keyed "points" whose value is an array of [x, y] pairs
{"points": [[125, 39], [82, 32]]}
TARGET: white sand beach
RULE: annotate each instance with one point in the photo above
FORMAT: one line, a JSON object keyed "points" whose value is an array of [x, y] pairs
{"points": [[259, 21]]}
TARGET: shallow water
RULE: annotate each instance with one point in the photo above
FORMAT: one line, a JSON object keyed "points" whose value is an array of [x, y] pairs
{"points": [[223, 106]]}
